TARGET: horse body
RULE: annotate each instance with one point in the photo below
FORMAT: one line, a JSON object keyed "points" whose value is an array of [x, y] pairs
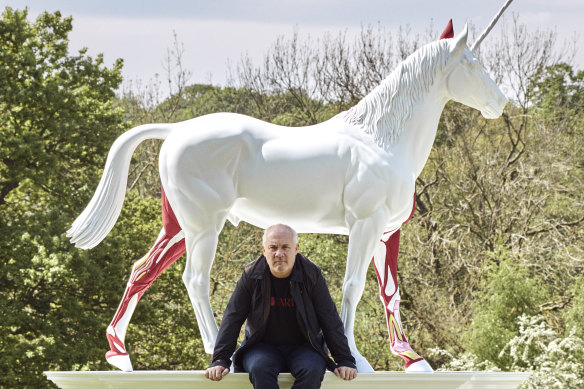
{"points": [[309, 177], [353, 174]]}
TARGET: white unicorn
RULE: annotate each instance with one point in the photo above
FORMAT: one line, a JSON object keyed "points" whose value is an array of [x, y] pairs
{"points": [[354, 174]]}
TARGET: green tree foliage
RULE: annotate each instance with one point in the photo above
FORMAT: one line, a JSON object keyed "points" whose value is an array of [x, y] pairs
{"points": [[509, 292], [559, 92], [51, 100], [57, 122], [575, 312]]}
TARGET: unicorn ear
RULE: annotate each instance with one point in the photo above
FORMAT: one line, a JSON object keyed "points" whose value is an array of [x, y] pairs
{"points": [[448, 31], [458, 44]]}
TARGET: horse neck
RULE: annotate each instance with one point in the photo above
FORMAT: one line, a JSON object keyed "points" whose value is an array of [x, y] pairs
{"points": [[401, 115], [419, 131]]}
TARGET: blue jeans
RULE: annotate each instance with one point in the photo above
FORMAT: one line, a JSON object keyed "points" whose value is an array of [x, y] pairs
{"points": [[264, 362]]}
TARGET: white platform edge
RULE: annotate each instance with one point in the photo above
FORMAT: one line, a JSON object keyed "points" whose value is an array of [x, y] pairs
{"points": [[194, 379]]}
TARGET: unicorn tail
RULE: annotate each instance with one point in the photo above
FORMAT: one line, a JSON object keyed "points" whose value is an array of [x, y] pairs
{"points": [[102, 212]]}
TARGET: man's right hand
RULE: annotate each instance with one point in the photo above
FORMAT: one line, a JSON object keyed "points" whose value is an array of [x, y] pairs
{"points": [[215, 373]]}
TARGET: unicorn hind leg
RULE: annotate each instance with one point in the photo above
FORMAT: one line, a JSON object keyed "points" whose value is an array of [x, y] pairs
{"points": [[385, 262], [201, 248], [169, 246]]}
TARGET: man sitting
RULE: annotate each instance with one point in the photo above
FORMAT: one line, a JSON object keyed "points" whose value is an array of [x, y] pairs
{"points": [[290, 315]]}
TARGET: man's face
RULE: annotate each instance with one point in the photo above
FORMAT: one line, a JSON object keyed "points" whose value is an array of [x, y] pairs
{"points": [[280, 251]]}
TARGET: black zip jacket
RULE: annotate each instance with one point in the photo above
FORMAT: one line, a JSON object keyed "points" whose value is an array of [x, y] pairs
{"points": [[316, 312]]}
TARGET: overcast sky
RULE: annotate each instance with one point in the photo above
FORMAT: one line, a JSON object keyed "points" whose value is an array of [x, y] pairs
{"points": [[215, 31]]}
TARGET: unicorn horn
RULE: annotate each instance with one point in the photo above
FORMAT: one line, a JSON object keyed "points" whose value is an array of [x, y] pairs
{"points": [[488, 29]]}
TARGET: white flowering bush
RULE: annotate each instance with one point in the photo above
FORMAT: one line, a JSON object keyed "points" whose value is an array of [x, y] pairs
{"points": [[555, 362], [463, 362]]}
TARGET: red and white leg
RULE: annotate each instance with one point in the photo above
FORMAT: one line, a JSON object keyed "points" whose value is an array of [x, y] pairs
{"points": [[385, 262], [169, 246]]}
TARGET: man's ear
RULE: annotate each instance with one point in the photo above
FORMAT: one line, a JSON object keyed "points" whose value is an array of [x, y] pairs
{"points": [[263, 250]]}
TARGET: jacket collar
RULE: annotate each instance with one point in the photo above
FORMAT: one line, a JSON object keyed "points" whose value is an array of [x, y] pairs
{"points": [[261, 269]]}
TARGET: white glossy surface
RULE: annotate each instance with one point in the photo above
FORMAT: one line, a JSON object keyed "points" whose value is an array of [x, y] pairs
{"points": [[196, 379]]}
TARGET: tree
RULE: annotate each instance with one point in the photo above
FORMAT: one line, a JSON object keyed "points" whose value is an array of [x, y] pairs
{"points": [[50, 100], [317, 79], [57, 120], [559, 96]]}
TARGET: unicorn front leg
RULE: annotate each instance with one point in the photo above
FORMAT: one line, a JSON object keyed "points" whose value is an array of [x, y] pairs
{"points": [[385, 262], [361, 246]]}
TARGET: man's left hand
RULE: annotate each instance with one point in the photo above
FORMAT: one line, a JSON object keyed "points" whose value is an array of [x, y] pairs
{"points": [[346, 373]]}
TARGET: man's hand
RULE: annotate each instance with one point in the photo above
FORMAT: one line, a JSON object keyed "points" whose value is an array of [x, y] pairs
{"points": [[215, 373], [346, 373]]}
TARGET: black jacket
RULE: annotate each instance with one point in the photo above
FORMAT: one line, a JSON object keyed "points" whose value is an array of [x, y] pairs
{"points": [[317, 314]]}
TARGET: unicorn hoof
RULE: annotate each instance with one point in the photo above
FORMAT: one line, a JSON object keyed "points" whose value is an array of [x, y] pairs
{"points": [[363, 366], [420, 366], [121, 361]]}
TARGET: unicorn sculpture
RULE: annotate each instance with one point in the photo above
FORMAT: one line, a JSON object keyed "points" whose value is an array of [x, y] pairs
{"points": [[354, 174]]}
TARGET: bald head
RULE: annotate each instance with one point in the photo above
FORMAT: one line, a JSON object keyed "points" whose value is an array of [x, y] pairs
{"points": [[280, 228]]}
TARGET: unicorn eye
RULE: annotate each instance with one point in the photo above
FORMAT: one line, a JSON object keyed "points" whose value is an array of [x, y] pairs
{"points": [[472, 62]]}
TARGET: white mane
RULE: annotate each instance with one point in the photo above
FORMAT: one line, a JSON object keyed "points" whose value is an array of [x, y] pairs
{"points": [[382, 112]]}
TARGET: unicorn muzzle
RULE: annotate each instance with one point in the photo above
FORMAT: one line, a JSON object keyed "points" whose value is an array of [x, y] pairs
{"points": [[494, 109]]}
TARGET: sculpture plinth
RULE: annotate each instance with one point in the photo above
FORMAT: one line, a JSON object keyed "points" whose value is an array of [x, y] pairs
{"points": [[196, 379]]}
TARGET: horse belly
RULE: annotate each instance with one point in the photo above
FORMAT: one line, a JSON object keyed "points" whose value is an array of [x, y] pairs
{"points": [[303, 221], [306, 194], [260, 173]]}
